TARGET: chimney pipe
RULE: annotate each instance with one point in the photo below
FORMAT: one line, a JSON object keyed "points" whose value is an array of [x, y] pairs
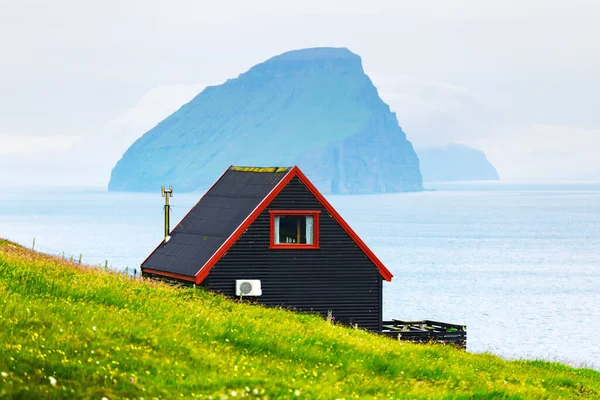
{"points": [[166, 193]]}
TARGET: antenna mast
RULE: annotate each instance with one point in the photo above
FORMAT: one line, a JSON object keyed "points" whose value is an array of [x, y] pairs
{"points": [[166, 193]]}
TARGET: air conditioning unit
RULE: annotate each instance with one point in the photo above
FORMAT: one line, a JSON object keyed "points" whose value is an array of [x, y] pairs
{"points": [[247, 287]]}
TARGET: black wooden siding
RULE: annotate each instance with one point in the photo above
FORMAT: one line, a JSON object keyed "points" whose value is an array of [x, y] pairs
{"points": [[337, 277]]}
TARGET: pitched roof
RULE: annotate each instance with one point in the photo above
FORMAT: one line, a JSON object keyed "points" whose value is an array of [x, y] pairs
{"points": [[213, 219], [227, 209]]}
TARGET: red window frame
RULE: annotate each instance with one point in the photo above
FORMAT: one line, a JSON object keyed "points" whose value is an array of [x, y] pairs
{"points": [[296, 246]]}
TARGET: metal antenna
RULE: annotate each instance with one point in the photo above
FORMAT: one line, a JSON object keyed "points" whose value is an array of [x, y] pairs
{"points": [[166, 193]]}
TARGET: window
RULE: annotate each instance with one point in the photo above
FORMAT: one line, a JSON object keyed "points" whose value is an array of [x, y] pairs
{"points": [[294, 229]]}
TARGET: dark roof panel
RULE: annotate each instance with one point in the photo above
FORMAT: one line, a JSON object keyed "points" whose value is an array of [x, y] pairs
{"points": [[213, 219]]}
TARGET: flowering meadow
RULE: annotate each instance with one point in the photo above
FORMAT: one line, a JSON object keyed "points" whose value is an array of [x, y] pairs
{"points": [[72, 331]]}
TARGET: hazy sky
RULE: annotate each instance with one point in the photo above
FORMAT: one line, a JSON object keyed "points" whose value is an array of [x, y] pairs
{"points": [[80, 80]]}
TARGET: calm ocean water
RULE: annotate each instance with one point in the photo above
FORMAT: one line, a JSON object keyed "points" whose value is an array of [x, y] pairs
{"points": [[519, 264]]}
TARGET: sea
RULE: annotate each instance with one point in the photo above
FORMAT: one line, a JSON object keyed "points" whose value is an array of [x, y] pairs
{"points": [[518, 263]]}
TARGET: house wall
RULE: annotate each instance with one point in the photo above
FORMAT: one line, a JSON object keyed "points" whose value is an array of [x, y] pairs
{"points": [[337, 277]]}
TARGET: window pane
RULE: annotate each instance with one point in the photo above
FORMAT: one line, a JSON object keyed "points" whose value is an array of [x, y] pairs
{"points": [[276, 233], [309, 230], [294, 229]]}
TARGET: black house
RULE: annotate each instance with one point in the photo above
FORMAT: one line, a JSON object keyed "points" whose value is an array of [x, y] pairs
{"points": [[268, 234]]}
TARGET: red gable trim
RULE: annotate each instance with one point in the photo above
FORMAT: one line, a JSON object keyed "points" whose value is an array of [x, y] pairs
{"points": [[385, 273], [295, 171], [203, 273]]}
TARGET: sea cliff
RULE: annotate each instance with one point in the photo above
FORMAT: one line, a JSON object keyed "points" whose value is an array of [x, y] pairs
{"points": [[315, 108]]}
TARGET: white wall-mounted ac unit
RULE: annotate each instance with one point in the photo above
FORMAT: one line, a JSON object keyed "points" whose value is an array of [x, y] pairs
{"points": [[247, 287]]}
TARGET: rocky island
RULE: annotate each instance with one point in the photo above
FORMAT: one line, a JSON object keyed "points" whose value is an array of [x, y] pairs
{"points": [[455, 162], [315, 108]]}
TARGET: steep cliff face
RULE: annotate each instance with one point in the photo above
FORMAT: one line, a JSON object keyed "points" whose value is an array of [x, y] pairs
{"points": [[455, 163], [315, 108]]}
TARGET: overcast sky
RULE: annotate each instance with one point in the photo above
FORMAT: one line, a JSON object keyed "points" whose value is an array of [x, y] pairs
{"points": [[81, 80]]}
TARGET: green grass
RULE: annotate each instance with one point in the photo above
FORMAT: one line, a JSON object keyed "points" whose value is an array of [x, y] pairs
{"points": [[97, 334]]}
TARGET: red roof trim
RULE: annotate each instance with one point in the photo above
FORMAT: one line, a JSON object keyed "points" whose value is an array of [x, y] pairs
{"points": [[170, 275], [295, 171], [203, 273], [385, 273]]}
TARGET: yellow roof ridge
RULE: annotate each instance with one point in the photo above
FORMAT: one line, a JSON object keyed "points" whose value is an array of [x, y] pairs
{"points": [[259, 169]]}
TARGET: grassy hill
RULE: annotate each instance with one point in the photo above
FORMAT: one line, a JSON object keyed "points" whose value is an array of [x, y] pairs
{"points": [[68, 331]]}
